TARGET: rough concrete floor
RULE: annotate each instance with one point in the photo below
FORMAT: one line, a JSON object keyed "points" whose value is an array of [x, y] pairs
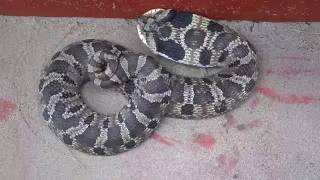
{"points": [[274, 135]]}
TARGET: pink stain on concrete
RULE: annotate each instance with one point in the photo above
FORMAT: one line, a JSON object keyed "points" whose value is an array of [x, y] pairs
{"points": [[222, 159], [253, 124], [288, 99], [6, 108], [228, 160], [161, 139], [254, 102], [204, 140]]}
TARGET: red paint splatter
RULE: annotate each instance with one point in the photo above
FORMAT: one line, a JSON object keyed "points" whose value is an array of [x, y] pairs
{"points": [[161, 139], [290, 99], [293, 72], [6, 107], [254, 102], [204, 140]]}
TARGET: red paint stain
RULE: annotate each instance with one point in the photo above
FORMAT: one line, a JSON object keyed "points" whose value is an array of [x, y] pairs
{"points": [[6, 107], [293, 72], [254, 102], [161, 139], [204, 140], [289, 99]]}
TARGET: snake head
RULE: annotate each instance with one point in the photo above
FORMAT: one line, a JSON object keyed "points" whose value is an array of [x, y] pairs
{"points": [[154, 18], [150, 22]]}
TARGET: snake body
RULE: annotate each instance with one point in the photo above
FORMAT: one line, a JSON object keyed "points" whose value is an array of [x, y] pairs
{"points": [[152, 91], [78, 125], [194, 40]]}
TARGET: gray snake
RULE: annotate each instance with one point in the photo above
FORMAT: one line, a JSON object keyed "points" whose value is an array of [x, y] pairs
{"points": [[153, 92]]}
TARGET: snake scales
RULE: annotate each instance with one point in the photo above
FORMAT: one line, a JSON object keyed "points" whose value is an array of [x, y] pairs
{"points": [[152, 91]]}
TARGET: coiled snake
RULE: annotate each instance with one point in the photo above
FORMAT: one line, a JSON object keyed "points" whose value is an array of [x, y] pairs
{"points": [[152, 91]]}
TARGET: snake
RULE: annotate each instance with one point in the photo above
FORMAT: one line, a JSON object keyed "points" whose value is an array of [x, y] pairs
{"points": [[153, 91]]}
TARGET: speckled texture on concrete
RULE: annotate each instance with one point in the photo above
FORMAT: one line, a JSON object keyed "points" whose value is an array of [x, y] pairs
{"points": [[274, 135]]}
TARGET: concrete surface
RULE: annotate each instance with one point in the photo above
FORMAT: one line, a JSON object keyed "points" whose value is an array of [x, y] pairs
{"points": [[274, 135]]}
